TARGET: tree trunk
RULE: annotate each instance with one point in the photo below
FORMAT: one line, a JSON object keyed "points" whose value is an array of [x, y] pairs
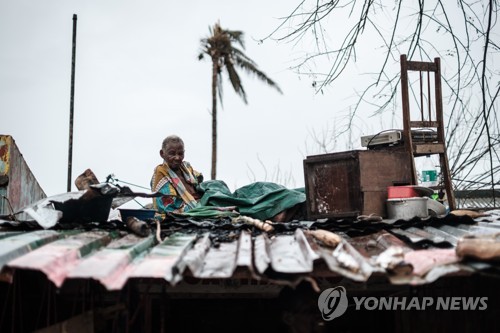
{"points": [[214, 117]]}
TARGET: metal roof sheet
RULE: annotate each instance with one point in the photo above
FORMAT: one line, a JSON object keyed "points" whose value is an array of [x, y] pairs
{"points": [[406, 252]]}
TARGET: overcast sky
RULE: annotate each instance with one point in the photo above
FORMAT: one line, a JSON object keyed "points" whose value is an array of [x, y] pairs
{"points": [[138, 80]]}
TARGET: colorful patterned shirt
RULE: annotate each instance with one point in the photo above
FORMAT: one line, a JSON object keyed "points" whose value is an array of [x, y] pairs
{"points": [[176, 198]]}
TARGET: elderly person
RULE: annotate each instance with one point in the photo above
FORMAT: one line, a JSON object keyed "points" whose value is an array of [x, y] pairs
{"points": [[178, 182], [175, 179]]}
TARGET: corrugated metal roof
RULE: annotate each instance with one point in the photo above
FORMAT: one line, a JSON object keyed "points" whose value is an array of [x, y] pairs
{"points": [[478, 199], [406, 252]]}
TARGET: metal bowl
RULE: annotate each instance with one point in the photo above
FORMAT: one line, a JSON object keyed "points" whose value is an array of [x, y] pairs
{"points": [[141, 214], [407, 208]]}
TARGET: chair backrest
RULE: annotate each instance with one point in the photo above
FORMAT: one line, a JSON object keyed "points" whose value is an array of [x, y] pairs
{"points": [[430, 115]]}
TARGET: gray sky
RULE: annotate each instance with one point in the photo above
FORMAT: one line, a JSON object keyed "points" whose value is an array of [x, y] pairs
{"points": [[138, 80]]}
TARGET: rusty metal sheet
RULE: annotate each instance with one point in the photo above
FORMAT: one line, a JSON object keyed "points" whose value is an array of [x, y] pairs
{"points": [[432, 237], [195, 257], [280, 258], [374, 244], [108, 265], [43, 212], [346, 261], [432, 275], [435, 236], [443, 270], [291, 254], [244, 250], [430, 265], [305, 246], [163, 260], [219, 262], [242, 267], [453, 231], [59, 257], [21, 187], [482, 230], [5, 143], [413, 238], [424, 260], [453, 240], [482, 199], [6, 234], [392, 259], [20, 244], [492, 225], [261, 253]]}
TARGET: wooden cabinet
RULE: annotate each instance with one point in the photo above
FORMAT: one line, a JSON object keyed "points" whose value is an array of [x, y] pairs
{"points": [[354, 182]]}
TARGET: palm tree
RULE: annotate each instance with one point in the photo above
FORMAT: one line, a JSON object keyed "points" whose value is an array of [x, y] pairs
{"points": [[219, 46]]}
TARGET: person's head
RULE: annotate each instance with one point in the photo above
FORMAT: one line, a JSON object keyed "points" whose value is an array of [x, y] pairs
{"points": [[172, 151]]}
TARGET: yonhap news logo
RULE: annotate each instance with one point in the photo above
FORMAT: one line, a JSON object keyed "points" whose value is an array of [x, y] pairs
{"points": [[333, 303]]}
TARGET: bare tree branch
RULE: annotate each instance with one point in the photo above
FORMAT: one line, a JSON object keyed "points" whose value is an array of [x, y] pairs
{"points": [[461, 33]]}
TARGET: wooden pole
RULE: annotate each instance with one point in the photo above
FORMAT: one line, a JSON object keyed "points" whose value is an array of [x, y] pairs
{"points": [[71, 104]]}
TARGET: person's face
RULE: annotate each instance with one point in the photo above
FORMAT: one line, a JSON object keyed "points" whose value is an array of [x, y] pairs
{"points": [[173, 154]]}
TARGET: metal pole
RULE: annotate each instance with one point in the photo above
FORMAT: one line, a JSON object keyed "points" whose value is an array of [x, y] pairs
{"points": [[71, 104]]}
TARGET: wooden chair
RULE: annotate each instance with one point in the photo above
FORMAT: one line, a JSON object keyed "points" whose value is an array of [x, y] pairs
{"points": [[425, 136]]}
